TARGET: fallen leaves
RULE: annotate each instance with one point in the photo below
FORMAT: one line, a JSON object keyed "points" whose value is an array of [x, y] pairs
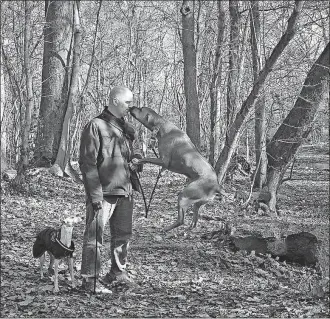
{"points": [[180, 274]]}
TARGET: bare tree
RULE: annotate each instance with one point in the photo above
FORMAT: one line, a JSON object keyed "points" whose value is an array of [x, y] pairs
{"points": [[214, 88], [259, 108], [63, 154], [2, 107], [55, 77], [190, 75], [235, 129], [26, 119], [297, 125], [233, 72]]}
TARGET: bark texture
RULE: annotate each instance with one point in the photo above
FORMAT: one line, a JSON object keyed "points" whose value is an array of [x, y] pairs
{"points": [[259, 109], [57, 46], [190, 73], [297, 125], [63, 153], [214, 82], [26, 113], [233, 74]]}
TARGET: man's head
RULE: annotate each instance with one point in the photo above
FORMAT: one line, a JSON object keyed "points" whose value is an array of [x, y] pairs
{"points": [[120, 99]]}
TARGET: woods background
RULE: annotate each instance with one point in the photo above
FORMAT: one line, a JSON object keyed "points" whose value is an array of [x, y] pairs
{"points": [[242, 78], [227, 72]]}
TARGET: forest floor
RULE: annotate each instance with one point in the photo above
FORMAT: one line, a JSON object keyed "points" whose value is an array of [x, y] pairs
{"points": [[181, 273]]}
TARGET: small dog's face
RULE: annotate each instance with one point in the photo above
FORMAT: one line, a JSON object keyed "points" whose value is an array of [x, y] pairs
{"points": [[70, 221]]}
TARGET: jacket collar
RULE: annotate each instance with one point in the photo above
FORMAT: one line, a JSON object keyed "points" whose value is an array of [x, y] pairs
{"points": [[120, 123]]}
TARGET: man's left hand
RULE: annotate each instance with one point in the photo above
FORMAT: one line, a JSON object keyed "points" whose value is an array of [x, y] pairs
{"points": [[135, 165]]}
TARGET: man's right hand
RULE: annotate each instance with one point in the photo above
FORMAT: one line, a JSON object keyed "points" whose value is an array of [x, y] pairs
{"points": [[96, 208]]}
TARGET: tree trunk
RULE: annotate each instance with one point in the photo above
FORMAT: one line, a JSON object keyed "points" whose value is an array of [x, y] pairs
{"points": [[259, 109], [236, 128], [26, 122], [63, 153], [233, 72], [297, 125], [214, 82], [190, 74], [57, 41], [3, 126]]}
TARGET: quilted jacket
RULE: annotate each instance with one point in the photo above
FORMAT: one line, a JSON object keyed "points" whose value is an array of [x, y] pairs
{"points": [[106, 148]]}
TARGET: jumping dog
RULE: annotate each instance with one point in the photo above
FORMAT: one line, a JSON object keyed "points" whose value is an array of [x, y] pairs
{"points": [[178, 154], [58, 244]]}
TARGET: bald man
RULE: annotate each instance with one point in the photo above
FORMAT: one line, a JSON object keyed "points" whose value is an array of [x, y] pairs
{"points": [[106, 151]]}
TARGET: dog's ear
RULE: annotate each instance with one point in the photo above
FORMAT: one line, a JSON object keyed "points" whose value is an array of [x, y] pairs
{"points": [[77, 220], [72, 220]]}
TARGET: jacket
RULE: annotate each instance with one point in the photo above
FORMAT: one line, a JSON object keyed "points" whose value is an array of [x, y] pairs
{"points": [[106, 148]]}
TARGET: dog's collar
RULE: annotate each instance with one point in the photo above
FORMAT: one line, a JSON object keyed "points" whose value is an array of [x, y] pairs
{"points": [[57, 239], [63, 246]]}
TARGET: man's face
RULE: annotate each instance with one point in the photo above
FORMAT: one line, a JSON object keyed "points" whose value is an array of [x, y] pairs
{"points": [[122, 102]]}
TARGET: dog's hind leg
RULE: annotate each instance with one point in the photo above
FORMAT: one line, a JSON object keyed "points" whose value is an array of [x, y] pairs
{"points": [[42, 261], [57, 261], [183, 205], [70, 262], [195, 210]]}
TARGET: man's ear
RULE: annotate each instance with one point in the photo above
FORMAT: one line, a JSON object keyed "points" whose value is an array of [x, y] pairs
{"points": [[115, 101]]}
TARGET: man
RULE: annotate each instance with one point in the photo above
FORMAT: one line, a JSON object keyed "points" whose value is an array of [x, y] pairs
{"points": [[106, 151]]}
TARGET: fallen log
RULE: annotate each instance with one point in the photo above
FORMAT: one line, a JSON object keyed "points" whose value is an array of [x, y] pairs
{"points": [[301, 247]]}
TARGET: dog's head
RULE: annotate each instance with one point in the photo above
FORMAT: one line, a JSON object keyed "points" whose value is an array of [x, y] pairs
{"points": [[148, 117], [70, 221]]}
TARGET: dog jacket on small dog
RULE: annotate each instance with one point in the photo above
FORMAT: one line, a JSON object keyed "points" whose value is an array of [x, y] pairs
{"points": [[49, 240]]}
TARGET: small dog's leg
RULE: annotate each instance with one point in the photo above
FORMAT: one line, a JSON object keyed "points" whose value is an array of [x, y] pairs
{"points": [[70, 262], [51, 263], [42, 261], [56, 275]]}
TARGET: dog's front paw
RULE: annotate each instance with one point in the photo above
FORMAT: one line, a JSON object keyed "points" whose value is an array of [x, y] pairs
{"points": [[56, 290]]}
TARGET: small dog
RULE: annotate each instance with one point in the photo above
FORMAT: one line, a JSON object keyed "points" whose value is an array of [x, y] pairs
{"points": [[58, 243], [178, 154]]}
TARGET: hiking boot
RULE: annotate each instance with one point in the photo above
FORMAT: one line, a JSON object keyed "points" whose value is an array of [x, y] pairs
{"points": [[118, 278], [88, 286]]}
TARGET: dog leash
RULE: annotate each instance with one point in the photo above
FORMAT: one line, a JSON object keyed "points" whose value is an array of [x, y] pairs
{"points": [[143, 195], [153, 190]]}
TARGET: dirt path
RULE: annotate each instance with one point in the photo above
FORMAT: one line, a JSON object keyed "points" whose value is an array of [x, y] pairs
{"points": [[180, 274]]}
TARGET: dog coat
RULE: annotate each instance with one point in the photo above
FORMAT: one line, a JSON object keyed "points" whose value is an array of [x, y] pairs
{"points": [[49, 240]]}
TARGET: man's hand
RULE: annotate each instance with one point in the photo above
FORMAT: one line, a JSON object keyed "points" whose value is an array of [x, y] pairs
{"points": [[97, 207], [135, 165]]}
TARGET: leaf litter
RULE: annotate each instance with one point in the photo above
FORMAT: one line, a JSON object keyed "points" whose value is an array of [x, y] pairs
{"points": [[184, 273]]}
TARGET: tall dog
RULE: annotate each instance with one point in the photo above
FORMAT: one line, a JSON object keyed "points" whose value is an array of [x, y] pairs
{"points": [[178, 154], [58, 244]]}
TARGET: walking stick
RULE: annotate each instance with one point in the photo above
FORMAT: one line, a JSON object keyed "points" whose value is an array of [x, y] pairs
{"points": [[96, 234]]}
